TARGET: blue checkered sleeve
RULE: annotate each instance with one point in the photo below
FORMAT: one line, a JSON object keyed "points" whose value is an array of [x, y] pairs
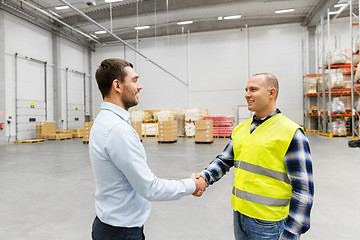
{"points": [[299, 169], [220, 165]]}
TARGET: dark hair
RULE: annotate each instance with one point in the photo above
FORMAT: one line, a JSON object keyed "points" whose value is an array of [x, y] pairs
{"points": [[109, 70], [271, 81]]}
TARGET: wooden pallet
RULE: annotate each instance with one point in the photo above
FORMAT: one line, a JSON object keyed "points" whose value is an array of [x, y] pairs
{"points": [[222, 136], [174, 141], [30, 141], [204, 142]]}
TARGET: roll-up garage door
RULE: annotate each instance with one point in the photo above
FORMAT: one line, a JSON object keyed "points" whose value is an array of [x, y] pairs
{"points": [[75, 99], [30, 92]]}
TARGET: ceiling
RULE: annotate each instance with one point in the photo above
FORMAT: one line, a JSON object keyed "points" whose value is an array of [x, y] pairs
{"points": [[84, 17]]}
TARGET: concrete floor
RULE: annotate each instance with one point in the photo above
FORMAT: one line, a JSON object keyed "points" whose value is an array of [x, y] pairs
{"points": [[47, 191]]}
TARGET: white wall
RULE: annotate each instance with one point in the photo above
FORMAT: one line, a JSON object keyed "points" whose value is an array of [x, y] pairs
{"points": [[215, 66], [30, 41], [277, 49]]}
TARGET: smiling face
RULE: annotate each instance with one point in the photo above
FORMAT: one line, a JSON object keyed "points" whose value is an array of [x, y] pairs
{"points": [[260, 97], [130, 88]]}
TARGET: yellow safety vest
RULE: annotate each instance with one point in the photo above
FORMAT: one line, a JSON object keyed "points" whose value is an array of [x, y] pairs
{"points": [[262, 188]]}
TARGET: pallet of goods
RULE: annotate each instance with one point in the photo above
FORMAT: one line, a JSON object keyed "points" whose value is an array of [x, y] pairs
{"points": [[204, 131], [87, 128], [138, 128], [222, 125], [167, 131]]}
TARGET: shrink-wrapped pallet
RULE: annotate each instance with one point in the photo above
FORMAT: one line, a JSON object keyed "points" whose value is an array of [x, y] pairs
{"points": [[189, 129], [194, 114]]}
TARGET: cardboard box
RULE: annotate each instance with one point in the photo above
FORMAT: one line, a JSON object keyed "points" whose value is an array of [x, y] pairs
{"points": [[204, 131], [87, 128], [43, 129], [59, 136], [311, 81], [167, 131], [138, 128]]}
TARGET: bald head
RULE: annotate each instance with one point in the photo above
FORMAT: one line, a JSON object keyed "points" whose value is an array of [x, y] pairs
{"points": [[271, 81]]}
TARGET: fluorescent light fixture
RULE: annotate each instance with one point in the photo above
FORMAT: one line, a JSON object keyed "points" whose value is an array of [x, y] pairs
{"points": [[232, 17], [111, 1], [61, 7], [100, 32], [285, 10], [220, 18], [55, 14], [141, 27], [185, 22], [339, 5]]}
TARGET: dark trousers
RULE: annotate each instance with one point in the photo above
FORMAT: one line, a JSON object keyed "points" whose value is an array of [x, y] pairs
{"points": [[103, 231]]}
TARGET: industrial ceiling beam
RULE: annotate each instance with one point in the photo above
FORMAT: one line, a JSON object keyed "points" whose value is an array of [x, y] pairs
{"points": [[314, 17], [122, 41], [43, 25]]}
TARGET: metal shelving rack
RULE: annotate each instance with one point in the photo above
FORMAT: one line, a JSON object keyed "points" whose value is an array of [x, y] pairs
{"points": [[324, 117]]}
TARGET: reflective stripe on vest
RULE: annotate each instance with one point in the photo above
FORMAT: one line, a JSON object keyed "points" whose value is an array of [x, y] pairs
{"points": [[263, 200], [262, 171]]}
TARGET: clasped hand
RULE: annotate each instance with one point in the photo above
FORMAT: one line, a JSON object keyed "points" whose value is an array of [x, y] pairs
{"points": [[200, 184]]}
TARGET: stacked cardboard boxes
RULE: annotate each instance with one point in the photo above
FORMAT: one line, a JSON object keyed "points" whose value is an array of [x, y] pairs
{"points": [[87, 127], [167, 131], [204, 131], [138, 128], [43, 129]]}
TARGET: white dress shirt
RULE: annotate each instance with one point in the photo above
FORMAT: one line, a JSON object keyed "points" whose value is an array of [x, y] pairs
{"points": [[124, 182]]}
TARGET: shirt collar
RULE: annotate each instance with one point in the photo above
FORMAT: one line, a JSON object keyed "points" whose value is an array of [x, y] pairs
{"points": [[267, 117], [117, 110]]}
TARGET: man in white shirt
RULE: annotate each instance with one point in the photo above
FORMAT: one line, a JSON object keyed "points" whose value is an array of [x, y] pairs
{"points": [[125, 184]]}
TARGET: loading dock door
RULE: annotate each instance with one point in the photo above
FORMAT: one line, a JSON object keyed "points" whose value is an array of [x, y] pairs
{"points": [[30, 96], [75, 99]]}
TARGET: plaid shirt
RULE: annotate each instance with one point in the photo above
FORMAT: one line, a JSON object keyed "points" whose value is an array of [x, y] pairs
{"points": [[299, 170]]}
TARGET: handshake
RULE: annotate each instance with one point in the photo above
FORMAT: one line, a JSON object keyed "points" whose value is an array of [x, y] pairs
{"points": [[200, 184]]}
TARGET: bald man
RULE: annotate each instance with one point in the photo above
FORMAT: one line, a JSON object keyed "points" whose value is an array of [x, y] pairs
{"points": [[273, 187]]}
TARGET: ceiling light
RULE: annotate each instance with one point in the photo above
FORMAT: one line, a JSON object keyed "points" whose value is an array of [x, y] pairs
{"points": [[100, 32], [285, 10], [61, 7], [339, 5], [111, 1], [220, 18], [141, 27], [185, 22], [232, 17]]}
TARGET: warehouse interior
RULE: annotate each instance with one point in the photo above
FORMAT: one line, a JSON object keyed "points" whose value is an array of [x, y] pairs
{"points": [[194, 59]]}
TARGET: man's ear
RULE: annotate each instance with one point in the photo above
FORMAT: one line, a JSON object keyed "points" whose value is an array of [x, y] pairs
{"points": [[272, 92], [117, 86]]}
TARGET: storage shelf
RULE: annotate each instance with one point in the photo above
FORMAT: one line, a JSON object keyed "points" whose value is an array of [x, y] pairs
{"points": [[340, 66], [336, 92], [333, 115]]}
